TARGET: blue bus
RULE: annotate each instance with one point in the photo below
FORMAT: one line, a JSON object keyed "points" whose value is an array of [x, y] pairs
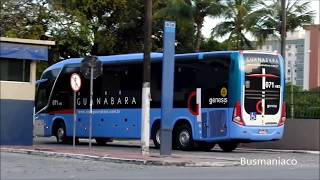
{"points": [[223, 98]]}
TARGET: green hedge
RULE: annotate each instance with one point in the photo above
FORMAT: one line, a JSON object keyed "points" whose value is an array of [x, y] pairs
{"points": [[306, 103]]}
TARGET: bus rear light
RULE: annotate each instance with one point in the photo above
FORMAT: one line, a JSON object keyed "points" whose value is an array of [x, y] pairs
{"points": [[237, 114], [283, 115]]}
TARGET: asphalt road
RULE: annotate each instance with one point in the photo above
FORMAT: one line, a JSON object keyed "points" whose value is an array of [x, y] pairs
{"points": [[22, 166], [303, 159]]}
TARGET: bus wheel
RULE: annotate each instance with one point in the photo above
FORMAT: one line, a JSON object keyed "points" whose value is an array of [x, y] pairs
{"points": [[205, 146], [228, 146], [61, 133], [183, 138], [156, 136]]}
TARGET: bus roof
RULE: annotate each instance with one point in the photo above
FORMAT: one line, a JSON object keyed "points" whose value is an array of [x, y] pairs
{"points": [[139, 57], [105, 59]]}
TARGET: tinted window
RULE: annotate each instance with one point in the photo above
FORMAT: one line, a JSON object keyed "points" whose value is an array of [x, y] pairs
{"points": [[210, 75], [14, 70], [262, 83], [42, 95], [44, 88], [51, 75], [118, 87], [62, 98]]}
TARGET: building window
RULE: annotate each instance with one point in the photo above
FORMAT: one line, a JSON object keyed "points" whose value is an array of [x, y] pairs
{"points": [[14, 70]]}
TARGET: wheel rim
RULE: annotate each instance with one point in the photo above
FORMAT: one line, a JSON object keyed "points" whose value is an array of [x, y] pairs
{"points": [[184, 138], [60, 134], [158, 136]]}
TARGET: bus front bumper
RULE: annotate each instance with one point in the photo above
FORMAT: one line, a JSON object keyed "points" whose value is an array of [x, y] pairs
{"points": [[41, 128]]}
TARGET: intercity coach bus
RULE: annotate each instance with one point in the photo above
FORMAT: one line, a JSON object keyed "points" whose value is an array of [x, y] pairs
{"points": [[225, 97]]}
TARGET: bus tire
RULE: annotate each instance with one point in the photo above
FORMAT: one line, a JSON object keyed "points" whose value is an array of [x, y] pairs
{"points": [[228, 146], [156, 135], [183, 137], [60, 133]]}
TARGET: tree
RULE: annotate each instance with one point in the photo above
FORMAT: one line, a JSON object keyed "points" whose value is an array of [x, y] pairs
{"points": [[129, 35], [297, 11], [192, 12], [37, 20], [241, 18], [184, 28], [24, 19], [101, 17], [212, 45]]}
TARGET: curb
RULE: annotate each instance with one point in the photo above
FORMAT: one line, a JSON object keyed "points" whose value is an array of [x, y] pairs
{"points": [[281, 150], [119, 160]]}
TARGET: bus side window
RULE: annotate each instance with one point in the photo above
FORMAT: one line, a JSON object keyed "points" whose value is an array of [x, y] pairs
{"points": [[185, 82], [42, 97], [219, 73], [156, 84], [111, 79], [132, 80]]}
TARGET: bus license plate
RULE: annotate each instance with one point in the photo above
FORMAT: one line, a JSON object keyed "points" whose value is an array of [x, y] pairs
{"points": [[263, 131]]}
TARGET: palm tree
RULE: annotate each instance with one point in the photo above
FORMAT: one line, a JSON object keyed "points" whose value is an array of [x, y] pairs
{"points": [[241, 18], [192, 11], [298, 14]]}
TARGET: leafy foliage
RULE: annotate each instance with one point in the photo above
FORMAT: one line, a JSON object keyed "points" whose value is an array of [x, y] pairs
{"points": [[306, 104], [259, 19], [213, 45], [241, 17], [102, 27], [190, 13], [298, 14], [24, 19]]}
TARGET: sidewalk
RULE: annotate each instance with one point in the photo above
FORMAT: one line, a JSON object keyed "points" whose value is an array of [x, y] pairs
{"points": [[121, 157]]}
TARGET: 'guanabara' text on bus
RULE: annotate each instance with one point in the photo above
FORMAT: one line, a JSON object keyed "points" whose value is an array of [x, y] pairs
{"points": [[223, 98]]}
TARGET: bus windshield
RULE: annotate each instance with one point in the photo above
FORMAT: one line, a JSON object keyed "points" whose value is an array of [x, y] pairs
{"points": [[44, 87]]}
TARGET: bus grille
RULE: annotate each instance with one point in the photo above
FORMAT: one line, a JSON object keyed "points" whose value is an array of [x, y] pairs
{"points": [[262, 94]]}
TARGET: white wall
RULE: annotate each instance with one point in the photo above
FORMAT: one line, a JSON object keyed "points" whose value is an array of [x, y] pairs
{"points": [[306, 65]]}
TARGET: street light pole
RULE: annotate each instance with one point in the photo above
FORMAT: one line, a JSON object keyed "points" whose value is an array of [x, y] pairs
{"points": [[145, 113]]}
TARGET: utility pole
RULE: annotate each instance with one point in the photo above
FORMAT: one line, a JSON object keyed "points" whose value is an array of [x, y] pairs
{"points": [[283, 28], [145, 113], [283, 48]]}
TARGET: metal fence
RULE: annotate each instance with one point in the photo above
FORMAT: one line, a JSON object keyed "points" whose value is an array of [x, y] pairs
{"points": [[305, 105]]}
